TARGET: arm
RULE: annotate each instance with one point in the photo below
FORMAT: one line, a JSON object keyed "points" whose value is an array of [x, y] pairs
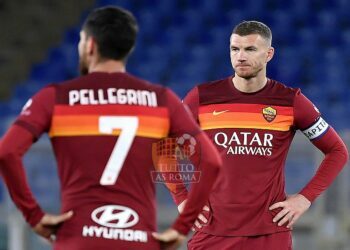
{"points": [[209, 163], [29, 125], [336, 155], [32, 122], [191, 100], [14, 144], [179, 194], [308, 119]]}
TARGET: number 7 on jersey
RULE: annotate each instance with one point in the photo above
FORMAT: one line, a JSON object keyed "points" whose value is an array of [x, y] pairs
{"points": [[128, 126]]}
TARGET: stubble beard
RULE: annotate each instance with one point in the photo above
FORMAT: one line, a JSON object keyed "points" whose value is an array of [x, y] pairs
{"points": [[248, 74]]}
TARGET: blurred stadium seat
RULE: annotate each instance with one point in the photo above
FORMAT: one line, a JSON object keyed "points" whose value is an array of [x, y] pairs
{"points": [[187, 42], [184, 43]]}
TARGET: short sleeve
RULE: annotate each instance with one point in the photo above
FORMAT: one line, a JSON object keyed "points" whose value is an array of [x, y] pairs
{"points": [[308, 118], [37, 112], [181, 120]]}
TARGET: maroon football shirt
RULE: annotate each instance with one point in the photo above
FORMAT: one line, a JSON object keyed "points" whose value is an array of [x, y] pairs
{"points": [[102, 127], [253, 133]]}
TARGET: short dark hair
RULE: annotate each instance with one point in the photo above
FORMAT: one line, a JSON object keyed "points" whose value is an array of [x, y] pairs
{"points": [[114, 30], [253, 27]]}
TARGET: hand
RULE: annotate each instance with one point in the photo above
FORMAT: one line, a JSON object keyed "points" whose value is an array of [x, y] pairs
{"points": [[181, 206], [292, 208], [170, 239], [49, 224], [202, 218]]}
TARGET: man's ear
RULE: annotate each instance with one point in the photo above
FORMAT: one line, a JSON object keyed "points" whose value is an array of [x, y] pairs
{"points": [[90, 46], [270, 53]]}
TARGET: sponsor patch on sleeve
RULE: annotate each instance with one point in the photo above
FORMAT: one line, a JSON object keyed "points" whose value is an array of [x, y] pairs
{"points": [[317, 129]]}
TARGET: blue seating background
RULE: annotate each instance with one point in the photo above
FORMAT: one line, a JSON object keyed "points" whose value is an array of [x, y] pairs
{"points": [[186, 42]]}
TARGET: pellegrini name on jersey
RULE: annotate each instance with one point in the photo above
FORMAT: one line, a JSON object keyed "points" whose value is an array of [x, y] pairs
{"points": [[113, 96], [245, 143]]}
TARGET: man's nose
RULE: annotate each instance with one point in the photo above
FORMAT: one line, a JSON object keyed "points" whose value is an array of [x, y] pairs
{"points": [[241, 56]]}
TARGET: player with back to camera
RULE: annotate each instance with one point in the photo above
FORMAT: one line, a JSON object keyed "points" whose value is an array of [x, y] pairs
{"points": [[252, 120], [101, 127]]}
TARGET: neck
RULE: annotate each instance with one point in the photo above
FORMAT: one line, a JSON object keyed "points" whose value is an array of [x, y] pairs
{"points": [[249, 85], [108, 66]]}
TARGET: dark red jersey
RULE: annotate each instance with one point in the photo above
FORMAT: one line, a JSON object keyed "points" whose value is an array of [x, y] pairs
{"points": [[102, 127], [253, 132]]}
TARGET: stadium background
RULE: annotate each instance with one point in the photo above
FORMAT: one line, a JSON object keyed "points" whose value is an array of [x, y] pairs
{"points": [[183, 43]]}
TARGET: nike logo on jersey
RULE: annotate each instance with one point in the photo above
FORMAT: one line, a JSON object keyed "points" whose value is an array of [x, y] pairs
{"points": [[219, 112]]}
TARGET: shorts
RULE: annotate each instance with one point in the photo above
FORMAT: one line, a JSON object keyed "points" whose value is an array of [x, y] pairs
{"points": [[276, 241]]}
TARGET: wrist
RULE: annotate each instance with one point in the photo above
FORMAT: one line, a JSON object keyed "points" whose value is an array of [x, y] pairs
{"points": [[308, 197], [181, 206]]}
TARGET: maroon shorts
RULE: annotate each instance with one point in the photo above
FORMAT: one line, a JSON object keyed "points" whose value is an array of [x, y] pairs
{"points": [[276, 241]]}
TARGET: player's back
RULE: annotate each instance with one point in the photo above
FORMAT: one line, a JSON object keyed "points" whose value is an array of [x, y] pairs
{"points": [[102, 129]]}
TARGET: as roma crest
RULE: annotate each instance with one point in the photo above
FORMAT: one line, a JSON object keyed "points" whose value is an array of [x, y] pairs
{"points": [[269, 114]]}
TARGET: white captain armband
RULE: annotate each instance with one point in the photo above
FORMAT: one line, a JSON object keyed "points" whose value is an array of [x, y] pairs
{"points": [[317, 129]]}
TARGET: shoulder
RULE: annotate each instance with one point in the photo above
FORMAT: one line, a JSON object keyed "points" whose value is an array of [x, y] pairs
{"points": [[46, 93], [213, 91], [285, 94], [282, 89], [165, 95], [209, 86], [144, 83], [69, 84], [124, 80]]}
